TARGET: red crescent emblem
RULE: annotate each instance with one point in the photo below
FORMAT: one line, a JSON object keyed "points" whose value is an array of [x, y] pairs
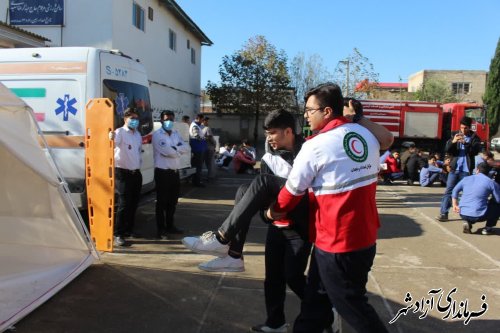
{"points": [[354, 149]]}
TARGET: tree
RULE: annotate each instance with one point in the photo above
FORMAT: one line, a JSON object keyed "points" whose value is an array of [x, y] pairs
{"points": [[253, 80], [434, 90], [492, 94], [306, 74], [354, 69]]}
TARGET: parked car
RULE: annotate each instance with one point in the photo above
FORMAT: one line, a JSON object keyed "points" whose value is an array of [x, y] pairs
{"points": [[495, 144]]}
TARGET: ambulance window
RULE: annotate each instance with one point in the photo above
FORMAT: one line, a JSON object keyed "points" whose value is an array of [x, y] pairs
{"points": [[125, 95]]}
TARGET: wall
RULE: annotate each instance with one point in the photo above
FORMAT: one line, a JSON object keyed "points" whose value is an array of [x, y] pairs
{"points": [[233, 128], [477, 80], [174, 80]]}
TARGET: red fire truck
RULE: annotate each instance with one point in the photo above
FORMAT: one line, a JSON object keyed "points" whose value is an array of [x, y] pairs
{"points": [[428, 125]]}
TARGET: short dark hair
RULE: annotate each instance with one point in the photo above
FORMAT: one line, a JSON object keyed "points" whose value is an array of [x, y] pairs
{"points": [[166, 113], [281, 119], [199, 116], [358, 107], [483, 168], [328, 94], [129, 112], [185, 118], [467, 121]]}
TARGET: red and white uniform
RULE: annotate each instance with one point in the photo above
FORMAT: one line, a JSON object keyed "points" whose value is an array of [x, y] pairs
{"points": [[339, 167]]}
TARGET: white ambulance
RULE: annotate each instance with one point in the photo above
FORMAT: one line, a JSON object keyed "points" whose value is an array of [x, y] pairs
{"points": [[58, 82]]}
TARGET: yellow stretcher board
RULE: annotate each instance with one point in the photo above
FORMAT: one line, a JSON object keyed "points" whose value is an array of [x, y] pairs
{"points": [[100, 171]]}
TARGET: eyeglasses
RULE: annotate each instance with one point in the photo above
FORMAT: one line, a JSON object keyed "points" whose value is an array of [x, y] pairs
{"points": [[310, 112]]}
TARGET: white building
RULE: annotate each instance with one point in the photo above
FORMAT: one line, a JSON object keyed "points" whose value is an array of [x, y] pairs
{"points": [[156, 32]]}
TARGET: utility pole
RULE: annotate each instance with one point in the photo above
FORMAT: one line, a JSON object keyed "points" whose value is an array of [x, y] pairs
{"points": [[346, 62], [400, 88]]}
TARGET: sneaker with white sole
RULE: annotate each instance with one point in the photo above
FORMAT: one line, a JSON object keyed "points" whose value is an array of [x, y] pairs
{"points": [[206, 244], [487, 231], [223, 264], [264, 328]]}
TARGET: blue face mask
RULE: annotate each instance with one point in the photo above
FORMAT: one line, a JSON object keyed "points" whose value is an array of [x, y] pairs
{"points": [[133, 123], [168, 125]]}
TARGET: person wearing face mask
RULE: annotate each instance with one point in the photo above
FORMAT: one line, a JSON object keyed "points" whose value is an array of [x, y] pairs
{"points": [[168, 147], [128, 177]]}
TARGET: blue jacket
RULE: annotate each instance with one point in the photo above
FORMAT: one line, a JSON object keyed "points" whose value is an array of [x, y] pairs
{"points": [[475, 192]]}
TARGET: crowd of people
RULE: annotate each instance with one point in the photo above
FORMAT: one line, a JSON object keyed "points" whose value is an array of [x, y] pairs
{"points": [[414, 166], [307, 192], [464, 157]]}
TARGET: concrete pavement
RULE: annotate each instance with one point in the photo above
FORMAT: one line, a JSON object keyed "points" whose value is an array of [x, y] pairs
{"points": [[155, 286]]}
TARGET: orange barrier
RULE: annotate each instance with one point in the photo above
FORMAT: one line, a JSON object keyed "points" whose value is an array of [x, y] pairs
{"points": [[100, 171]]}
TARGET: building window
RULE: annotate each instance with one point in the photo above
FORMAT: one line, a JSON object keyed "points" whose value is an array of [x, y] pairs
{"points": [[193, 56], [150, 13], [172, 40], [138, 16], [188, 44], [460, 88]]}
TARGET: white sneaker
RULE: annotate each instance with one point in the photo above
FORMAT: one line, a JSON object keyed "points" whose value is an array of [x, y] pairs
{"points": [[206, 244], [224, 264]]}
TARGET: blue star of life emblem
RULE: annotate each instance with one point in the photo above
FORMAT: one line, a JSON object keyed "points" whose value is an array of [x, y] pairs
{"points": [[121, 104], [66, 107]]}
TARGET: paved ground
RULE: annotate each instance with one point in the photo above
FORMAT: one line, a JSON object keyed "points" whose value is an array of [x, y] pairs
{"points": [[155, 286]]}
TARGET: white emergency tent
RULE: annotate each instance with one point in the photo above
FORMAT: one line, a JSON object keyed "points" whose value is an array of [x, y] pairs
{"points": [[43, 241]]}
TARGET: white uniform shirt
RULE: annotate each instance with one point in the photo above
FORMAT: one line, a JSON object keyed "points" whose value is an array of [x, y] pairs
{"points": [[195, 131], [128, 146], [168, 149]]}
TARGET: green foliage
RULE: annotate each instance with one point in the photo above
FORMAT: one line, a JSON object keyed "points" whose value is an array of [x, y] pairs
{"points": [[434, 90], [253, 80], [492, 94]]}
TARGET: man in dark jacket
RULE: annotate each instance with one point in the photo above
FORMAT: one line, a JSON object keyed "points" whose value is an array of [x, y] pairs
{"points": [[463, 146], [415, 163]]}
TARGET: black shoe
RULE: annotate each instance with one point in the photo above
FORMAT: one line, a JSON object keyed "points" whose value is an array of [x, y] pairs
{"points": [[467, 228], [119, 241], [174, 230], [131, 235], [442, 217], [487, 231], [409, 182], [199, 185]]}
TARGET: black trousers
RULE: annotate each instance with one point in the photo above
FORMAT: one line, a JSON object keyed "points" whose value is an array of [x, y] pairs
{"points": [[197, 162], [128, 187], [168, 186], [287, 252], [259, 194], [338, 279]]}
